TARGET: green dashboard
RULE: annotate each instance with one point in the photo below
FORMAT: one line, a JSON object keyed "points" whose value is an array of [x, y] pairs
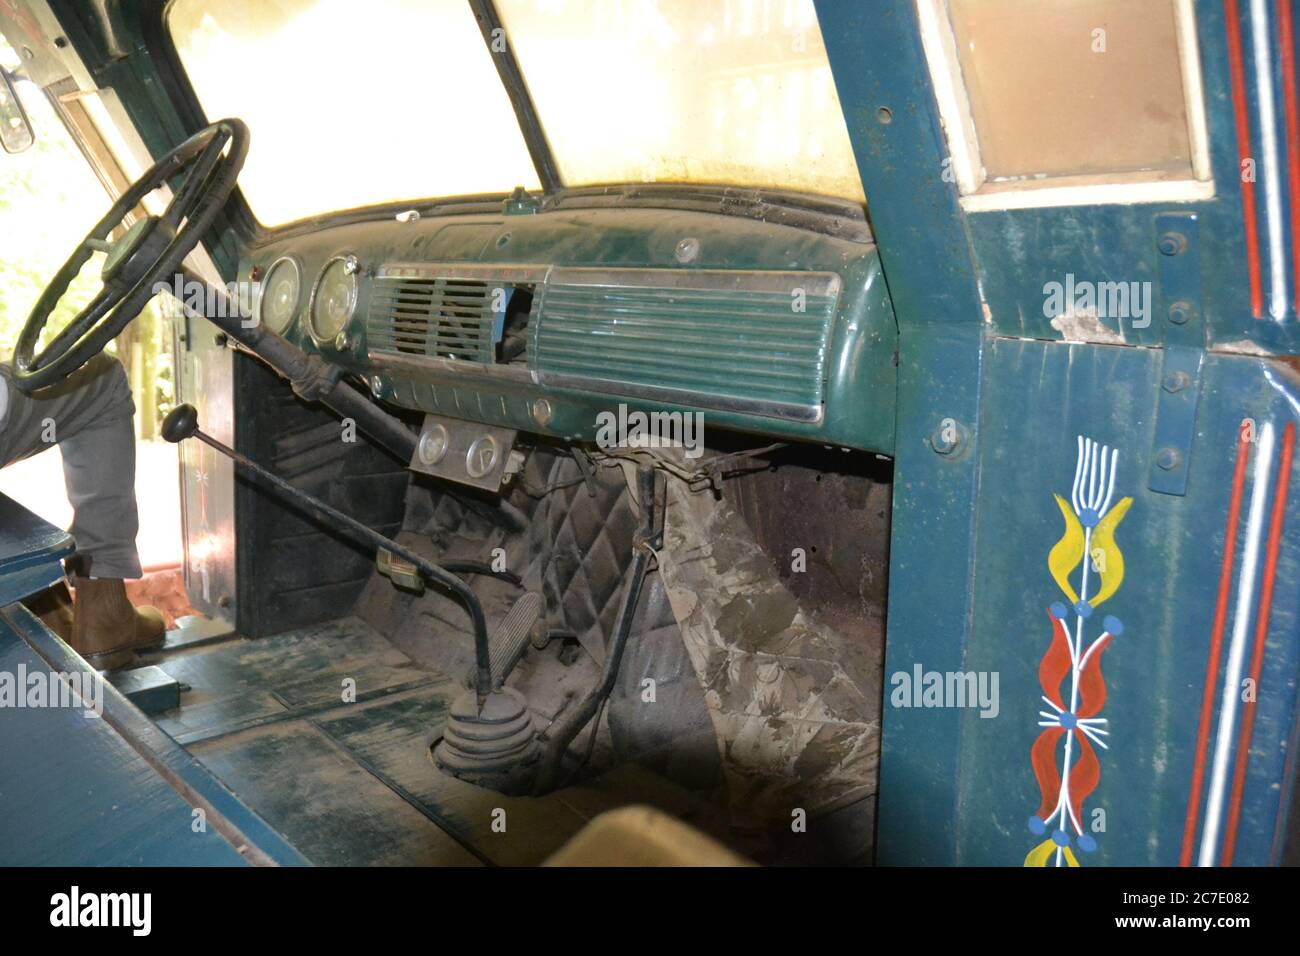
{"points": [[538, 321]]}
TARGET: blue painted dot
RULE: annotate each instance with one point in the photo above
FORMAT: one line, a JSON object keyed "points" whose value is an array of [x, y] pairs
{"points": [[1059, 611], [1089, 518], [1069, 721], [1037, 826], [1083, 609], [1061, 838], [1086, 843], [1113, 624]]}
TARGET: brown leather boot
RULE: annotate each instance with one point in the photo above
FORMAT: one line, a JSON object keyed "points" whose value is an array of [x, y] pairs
{"points": [[107, 627], [54, 607]]}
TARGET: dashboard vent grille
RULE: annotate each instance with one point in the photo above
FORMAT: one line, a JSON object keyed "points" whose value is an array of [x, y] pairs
{"points": [[755, 341], [449, 318]]}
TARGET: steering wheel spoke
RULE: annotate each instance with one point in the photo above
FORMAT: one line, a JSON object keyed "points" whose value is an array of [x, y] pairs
{"points": [[94, 244], [149, 252]]}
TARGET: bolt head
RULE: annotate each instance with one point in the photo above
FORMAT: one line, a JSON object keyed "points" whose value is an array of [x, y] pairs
{"points": [[946, 439], [688, 250], [1172, 243]]}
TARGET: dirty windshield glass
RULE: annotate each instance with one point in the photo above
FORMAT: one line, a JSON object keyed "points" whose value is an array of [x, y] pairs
{"points": [[403, 101], [353, 104], [695, 91]]}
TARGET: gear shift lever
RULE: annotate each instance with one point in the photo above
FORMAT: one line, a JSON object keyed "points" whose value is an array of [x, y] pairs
{"points": [[183, 422]]}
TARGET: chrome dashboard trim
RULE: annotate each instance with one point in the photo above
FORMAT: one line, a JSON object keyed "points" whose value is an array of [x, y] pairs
{"points": [[469, 372], [783, 411], [820, 284], [463, 270]]}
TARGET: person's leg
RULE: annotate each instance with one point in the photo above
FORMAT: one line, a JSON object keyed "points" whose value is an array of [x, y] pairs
{"points": [[89, 416]]}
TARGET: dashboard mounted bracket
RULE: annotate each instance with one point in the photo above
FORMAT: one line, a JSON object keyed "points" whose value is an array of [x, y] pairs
{"points": [[464, 452]]}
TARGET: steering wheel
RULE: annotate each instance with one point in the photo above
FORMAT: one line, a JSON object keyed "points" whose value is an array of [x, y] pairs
{"points": [[151, 250]]}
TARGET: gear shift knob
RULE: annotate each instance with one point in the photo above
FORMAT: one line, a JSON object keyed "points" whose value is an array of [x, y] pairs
{"points": [[181, 423]]}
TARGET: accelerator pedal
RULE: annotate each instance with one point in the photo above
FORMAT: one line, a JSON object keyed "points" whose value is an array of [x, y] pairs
{"points": [[510, 639]]}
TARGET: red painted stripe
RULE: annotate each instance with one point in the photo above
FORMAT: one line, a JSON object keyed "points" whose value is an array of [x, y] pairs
{"points": [[1237, 69], [1286, 31], [1261, 634], [1216, 648]]}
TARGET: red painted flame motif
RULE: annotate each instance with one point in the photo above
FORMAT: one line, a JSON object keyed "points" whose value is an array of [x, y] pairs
{"points": [[1085, 773]]}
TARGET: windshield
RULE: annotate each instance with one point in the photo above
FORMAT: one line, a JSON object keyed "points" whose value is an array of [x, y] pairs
{"points": [[355, 105]]}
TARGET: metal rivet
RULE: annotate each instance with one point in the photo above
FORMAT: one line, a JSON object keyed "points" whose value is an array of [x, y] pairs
{"points": [[1176, 381], [688, 250], [1168, 459], [1180, 312]]}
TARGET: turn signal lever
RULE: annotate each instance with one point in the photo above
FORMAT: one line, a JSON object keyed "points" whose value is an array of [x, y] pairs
{"points": [[183, 422]]}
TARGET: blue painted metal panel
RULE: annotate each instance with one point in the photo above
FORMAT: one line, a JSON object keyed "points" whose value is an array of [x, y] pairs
{"points": [[31, 550], [880, 76], [1154, 671], [75, 793], [110, 790], [931, 555]]}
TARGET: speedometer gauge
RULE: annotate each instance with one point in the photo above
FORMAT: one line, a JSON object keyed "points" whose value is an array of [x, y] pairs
{"points": [[277, 302], [334, 299]]}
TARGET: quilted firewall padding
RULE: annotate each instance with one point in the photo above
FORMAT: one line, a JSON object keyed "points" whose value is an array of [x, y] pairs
{"points": [[580, 546], [575, 547]]}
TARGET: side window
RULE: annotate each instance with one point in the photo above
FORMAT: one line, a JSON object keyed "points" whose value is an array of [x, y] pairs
{"points": [[1065, 102], [50, 197]]}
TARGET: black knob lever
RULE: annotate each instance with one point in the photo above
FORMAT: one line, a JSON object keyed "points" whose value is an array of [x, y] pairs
{"points": [[183, 422]]}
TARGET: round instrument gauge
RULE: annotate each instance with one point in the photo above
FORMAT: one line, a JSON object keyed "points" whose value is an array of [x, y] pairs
{"points": [[277, 301], [334, 299], [482, 457]]}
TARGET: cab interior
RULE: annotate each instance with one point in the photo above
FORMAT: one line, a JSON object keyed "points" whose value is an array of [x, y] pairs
{"points": [[451, 290]]}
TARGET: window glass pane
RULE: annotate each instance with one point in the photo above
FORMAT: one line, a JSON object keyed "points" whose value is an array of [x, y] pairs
{"points": [[49, 199], [353, 104], [695, 91], [1073, 87]]}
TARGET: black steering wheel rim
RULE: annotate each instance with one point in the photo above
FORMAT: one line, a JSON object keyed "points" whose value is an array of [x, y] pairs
{"points": [[151, 250]]}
